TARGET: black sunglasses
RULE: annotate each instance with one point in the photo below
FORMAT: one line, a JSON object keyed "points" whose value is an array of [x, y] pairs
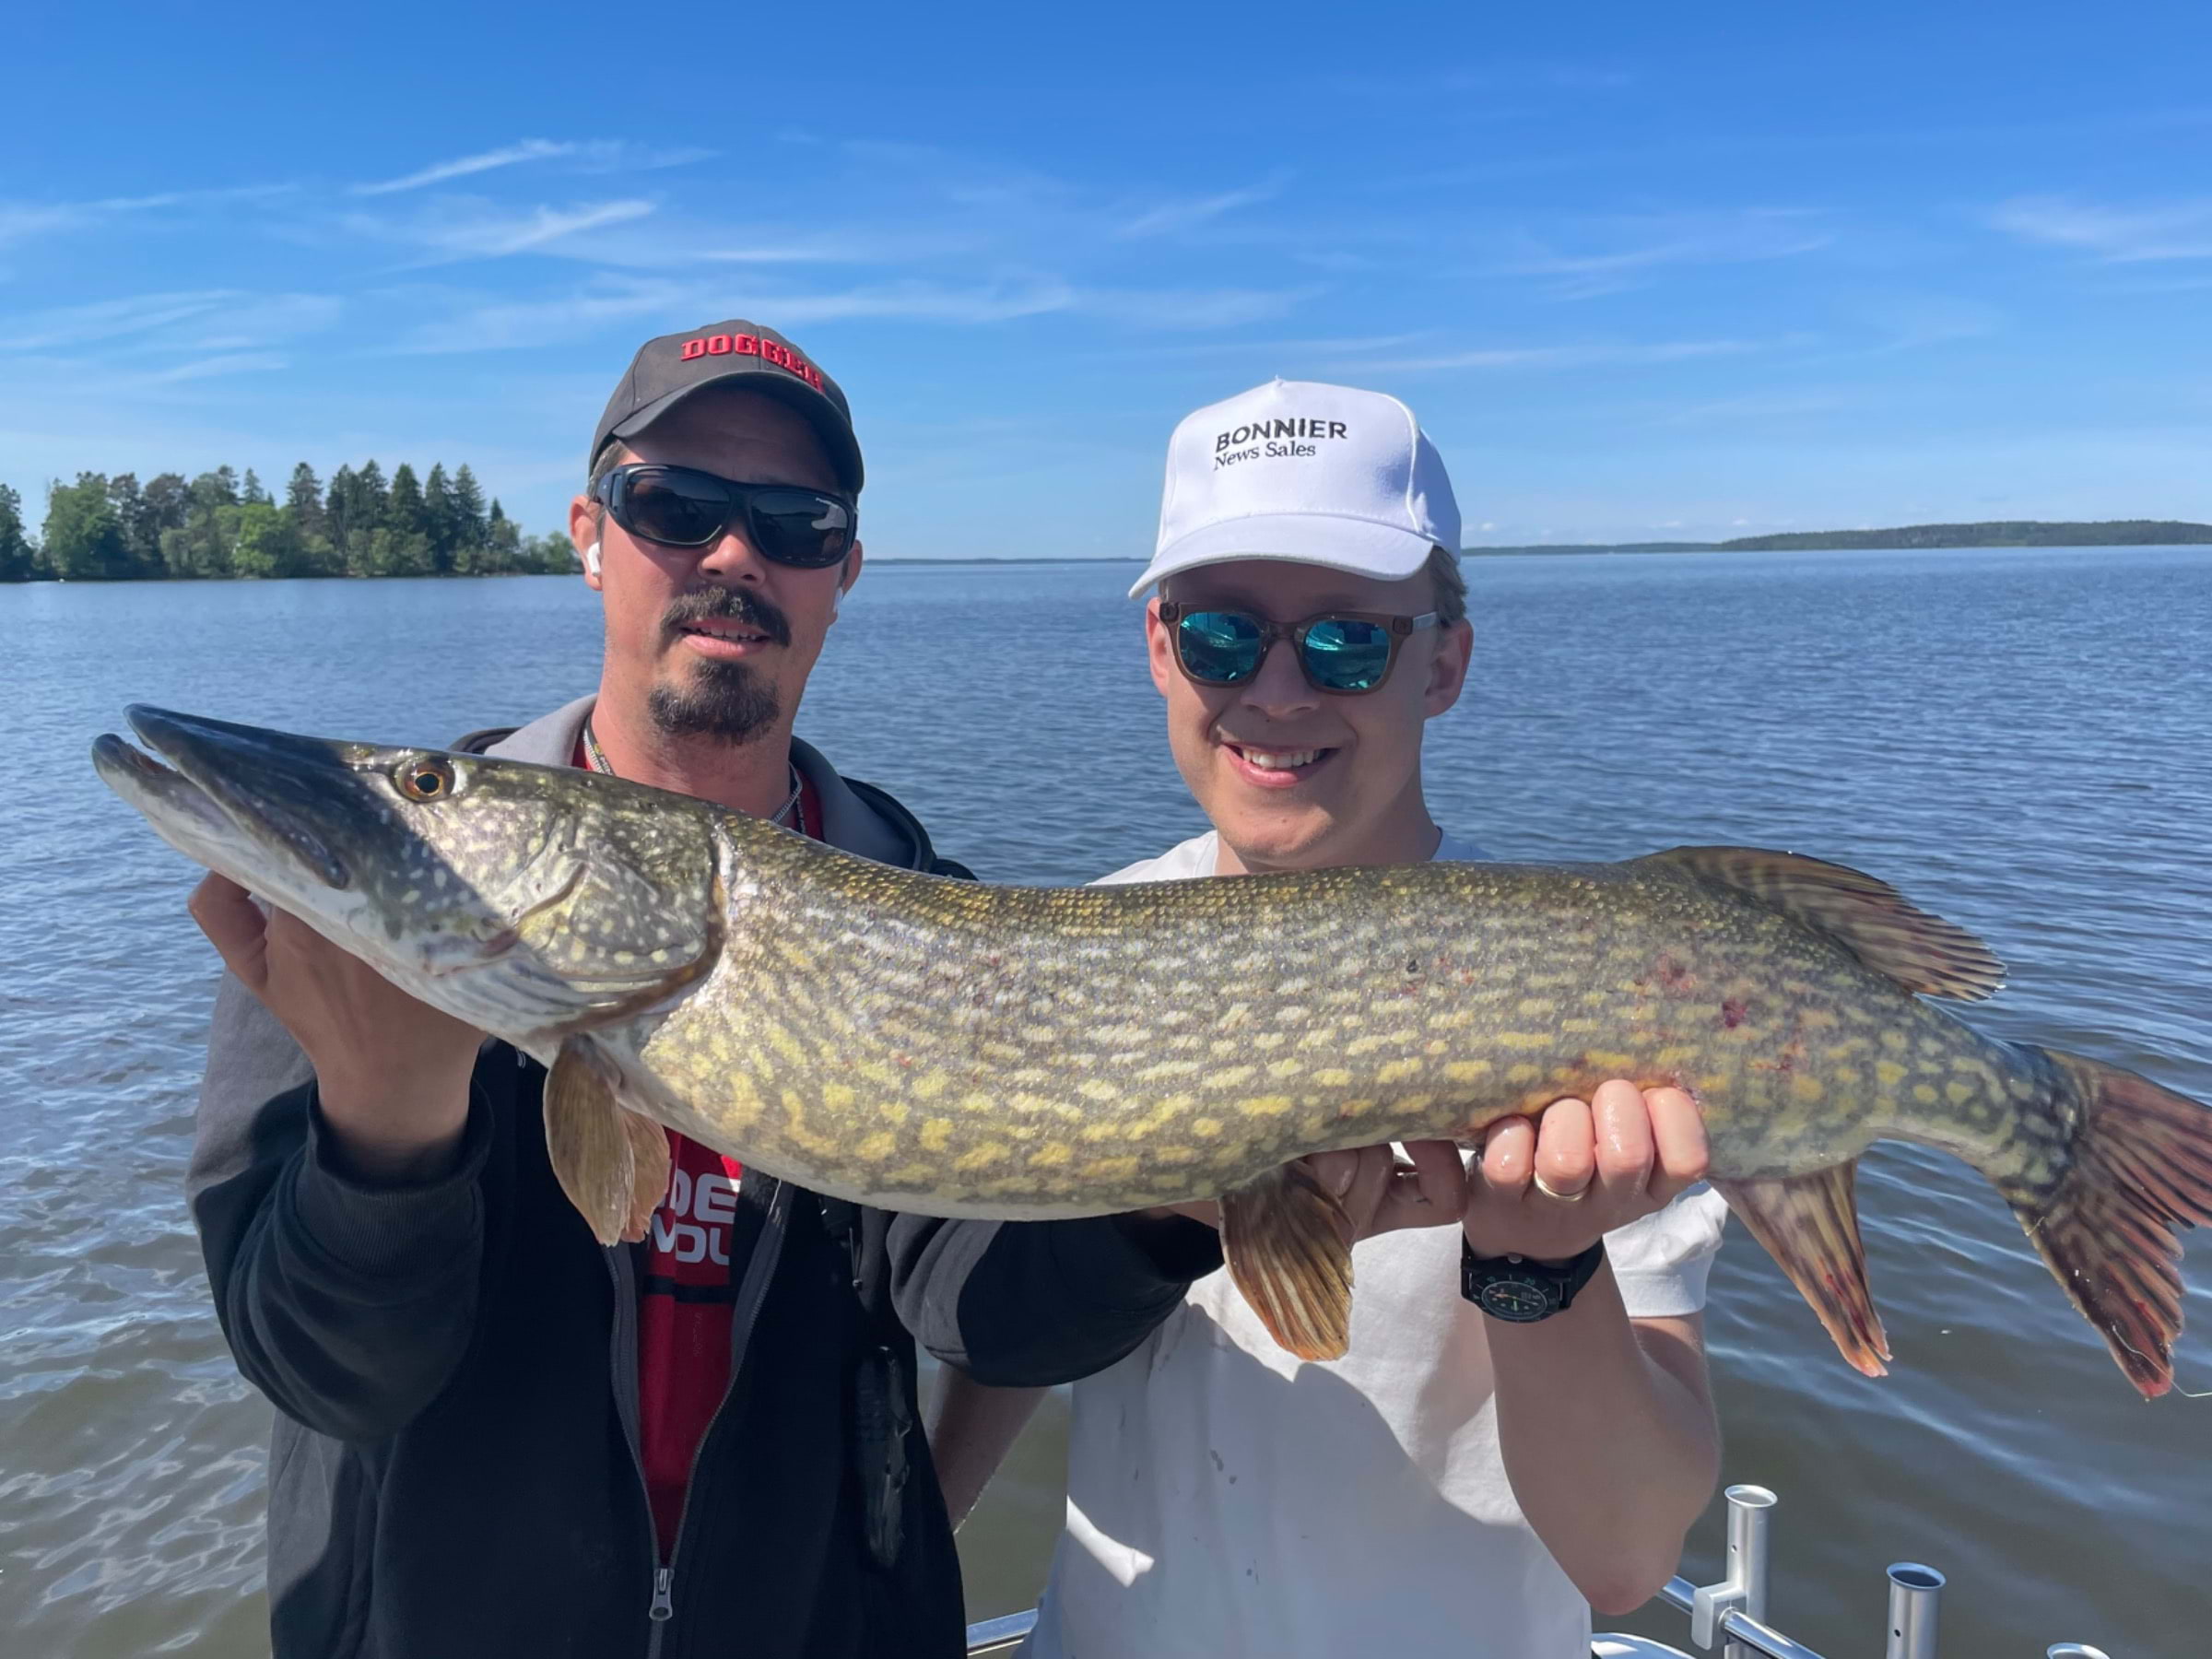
{"points": [[680, 507], [1345, 653]]}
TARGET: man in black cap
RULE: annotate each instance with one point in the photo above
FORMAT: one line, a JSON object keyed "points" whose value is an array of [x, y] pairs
{"points": [[495, 1437]]}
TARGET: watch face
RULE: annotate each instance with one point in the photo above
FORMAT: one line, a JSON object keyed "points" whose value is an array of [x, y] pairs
{"points": [[1519, 1301]]}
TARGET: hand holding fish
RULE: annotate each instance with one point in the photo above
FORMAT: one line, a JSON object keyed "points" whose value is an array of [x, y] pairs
{"points": [[393, 1072], [1550, 1187]]}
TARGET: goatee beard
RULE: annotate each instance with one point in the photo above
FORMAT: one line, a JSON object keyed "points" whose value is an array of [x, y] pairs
{"points": [[725, 701]]}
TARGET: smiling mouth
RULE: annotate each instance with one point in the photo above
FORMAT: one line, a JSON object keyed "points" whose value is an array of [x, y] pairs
{"points": [[1277, 766], [737, 634]]}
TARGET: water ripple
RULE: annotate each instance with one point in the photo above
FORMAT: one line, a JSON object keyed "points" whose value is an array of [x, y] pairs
{"points": [[2020, 740]]}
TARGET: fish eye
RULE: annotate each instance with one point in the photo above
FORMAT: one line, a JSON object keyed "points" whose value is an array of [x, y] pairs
{"points": [[429, 778]]}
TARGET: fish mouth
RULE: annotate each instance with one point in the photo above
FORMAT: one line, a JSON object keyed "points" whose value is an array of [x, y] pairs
{"points": [[222, 778]]}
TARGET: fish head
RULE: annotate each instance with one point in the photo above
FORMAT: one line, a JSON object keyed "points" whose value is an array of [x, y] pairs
{"points": [[529, 901]]}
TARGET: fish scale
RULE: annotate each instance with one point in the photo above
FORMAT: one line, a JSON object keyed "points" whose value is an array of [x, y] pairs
{"points": [[1006, 1053], [1305, 1013]]}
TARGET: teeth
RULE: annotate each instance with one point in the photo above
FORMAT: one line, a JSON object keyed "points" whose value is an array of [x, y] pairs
{"points": [[1281, 761]]}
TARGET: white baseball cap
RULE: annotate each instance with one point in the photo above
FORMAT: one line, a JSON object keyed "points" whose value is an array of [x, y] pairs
{"points": [[1310, 473]]}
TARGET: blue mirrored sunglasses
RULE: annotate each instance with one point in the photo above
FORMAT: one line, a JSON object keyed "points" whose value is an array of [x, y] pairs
{"points": [[1345, 653]]}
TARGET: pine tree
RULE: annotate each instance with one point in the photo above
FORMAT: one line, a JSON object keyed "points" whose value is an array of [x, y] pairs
{"points": [[468, 505], [18, 559], [342, 512], [303, 500], [438, 515], [251, 493], [370, 498], [403, 508]]}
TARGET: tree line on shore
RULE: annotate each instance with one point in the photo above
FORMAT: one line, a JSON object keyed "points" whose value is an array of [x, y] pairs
{"points": [[220, 526]]}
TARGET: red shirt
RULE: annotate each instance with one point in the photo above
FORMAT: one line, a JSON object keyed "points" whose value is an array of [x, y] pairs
{"points": [[686, 1301]]}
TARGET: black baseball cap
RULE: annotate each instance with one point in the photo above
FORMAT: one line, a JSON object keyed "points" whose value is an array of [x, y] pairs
{"points": [[739, 354]]}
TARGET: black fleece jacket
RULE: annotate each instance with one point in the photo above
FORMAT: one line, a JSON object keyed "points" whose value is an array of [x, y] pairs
{"points": [[454, 1366]]}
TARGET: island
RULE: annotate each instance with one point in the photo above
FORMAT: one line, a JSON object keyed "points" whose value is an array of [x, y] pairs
{"points": [[2004, 532], [220, 527]]}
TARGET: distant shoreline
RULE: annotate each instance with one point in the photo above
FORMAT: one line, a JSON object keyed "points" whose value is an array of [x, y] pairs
{"points": [[1908, 538]]}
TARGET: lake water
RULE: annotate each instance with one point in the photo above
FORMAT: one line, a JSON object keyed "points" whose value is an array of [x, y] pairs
{"points": [[2022, 740]]}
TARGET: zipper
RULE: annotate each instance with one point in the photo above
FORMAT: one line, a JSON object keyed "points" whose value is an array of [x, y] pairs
{"points": [[752, 1291], [622, 1342]]}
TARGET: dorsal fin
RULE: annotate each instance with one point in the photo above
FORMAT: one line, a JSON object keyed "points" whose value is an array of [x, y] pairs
{"points": [[1869, 918]]}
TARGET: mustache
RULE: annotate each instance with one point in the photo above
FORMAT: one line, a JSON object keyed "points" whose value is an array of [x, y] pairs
{"points": [[726, 604]]}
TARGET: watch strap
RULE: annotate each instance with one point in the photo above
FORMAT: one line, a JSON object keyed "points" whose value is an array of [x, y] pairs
{"points": [[1522, 1292]]}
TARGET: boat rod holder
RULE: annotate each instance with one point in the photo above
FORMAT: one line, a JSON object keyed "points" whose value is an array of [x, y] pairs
{"points": [[1913, 1593], [1744, 1588]]}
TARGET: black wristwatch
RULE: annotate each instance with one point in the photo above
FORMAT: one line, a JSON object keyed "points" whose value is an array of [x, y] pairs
{"points": [[1520, 1291]]}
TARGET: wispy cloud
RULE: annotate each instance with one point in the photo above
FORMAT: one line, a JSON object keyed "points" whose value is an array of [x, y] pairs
{"points": [[437, 172], [473, 229], [1180, 216], [1655, 242], [2116, 235], [1754, 408], [63, 327], [1194, 308], [1575, 356], [490, 325], [232, 362], [498, 325], [22, 220], [220, 320], [188, 199], [591, 156], [19, 222], [109, 383]]}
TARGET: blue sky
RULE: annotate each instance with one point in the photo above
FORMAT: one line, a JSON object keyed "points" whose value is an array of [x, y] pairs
{"points": [[1642, 271]]}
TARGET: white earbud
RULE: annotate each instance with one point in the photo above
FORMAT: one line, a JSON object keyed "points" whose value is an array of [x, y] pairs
{"points": [[837, 597], [590, 558]]}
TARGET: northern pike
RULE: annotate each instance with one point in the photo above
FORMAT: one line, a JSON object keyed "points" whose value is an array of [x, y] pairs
{"points": [[952, 1048]]}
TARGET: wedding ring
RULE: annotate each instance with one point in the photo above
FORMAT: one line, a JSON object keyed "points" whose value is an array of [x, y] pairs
{"points": [[1549, 1191]]}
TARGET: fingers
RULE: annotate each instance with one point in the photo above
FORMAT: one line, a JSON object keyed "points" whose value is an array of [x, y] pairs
{"points": [[1359, 1178], [1381, 1194], [1621, 1131], [1680, 1150], [234, 925], [1440, 1175], [1566, 1155], [1337, 1171], [1549, 1186], [1508, 1158], [1429, 1190]]}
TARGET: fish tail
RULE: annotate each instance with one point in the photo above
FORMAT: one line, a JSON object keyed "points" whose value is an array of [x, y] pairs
{"points": [[2139, 1170]]}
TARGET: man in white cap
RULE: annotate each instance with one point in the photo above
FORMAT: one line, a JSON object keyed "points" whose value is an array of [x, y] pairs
{"points": [[1522, 1424]]}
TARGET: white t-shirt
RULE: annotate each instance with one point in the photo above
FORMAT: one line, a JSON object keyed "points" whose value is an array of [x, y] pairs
{"points": [[1225, 1497]]}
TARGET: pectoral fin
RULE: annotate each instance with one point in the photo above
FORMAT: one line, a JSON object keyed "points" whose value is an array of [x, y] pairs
{"points": [[649, 1172], [613, 1164], [1288, 1246], [1810, 1225]]}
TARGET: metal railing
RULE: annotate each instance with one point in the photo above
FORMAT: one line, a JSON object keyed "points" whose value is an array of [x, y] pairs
{"points": [[1732, 1613]]}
